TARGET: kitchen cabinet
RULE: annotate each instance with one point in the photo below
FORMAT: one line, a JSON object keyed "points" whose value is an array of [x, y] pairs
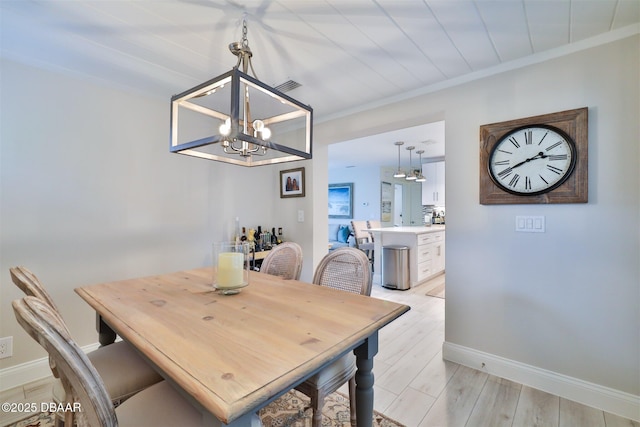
{"points": [[429, 256], [426, 249], [433, 187]]}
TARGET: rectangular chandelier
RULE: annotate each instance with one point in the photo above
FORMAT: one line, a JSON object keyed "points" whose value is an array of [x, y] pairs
{"points": [[235, 118]]}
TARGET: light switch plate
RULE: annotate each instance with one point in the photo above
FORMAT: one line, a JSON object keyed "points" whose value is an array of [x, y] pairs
{"points": [[530, 224], [300, 215]]}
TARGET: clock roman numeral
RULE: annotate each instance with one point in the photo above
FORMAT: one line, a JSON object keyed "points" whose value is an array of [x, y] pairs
{"points": [[505, 152], [545, 181], [528, 137], [502, 163], [554, 169], [557, 157], [543, 137], [514, 180], [514, 142], [505, 173], [551, 147], [527, 183]]}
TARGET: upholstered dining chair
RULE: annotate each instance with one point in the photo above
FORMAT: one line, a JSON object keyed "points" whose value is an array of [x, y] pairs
{"points": [[346, 269], [284, 260], [158, 405], [122, 370]]}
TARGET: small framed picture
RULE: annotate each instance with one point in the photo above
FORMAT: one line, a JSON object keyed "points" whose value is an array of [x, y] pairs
{"points": [[292, 183]]}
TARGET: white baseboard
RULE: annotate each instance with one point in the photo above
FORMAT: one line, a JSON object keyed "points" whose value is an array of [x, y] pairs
{"points": [[25, 373], [607, 399]]}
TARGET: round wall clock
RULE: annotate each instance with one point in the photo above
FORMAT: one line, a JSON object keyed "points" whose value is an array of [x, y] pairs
{"points": [[538, 159], [532, 160]]}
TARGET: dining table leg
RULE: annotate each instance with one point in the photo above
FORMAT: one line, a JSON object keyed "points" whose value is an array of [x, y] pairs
{"points": [[364, 380], [106, 335]]}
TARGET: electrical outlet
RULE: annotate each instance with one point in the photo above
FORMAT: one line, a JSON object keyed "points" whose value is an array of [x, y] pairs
{"points": [[6, 347]]}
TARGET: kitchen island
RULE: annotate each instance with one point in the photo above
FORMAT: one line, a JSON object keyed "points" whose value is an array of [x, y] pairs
{"points": [[426, 250]]}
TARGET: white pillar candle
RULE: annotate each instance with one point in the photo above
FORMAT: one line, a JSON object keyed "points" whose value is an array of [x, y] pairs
{"points": [[230, 269]]}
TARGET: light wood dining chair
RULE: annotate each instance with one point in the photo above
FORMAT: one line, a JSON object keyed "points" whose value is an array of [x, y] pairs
{"points": [[284, 260], [346, 269], [159, 405], [373, 224], [363, 239], [123, 371]]}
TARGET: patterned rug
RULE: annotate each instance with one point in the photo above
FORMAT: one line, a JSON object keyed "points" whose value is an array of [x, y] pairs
{"points": [[287, 411]]}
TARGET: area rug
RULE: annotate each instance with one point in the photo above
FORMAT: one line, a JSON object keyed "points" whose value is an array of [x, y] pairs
{"points": [[286, 411], [437, 291]]}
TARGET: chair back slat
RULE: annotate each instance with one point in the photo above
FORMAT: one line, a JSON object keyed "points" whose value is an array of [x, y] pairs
{"points": [[79, 378]]}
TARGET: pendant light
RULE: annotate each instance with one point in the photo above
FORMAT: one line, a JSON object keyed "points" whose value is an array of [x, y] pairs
{"points": [[399, 173], [235, 118], [411, 176], [420, 177]]}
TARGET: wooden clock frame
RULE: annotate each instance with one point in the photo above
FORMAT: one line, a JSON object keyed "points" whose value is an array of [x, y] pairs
{"points": [[574, 190]]}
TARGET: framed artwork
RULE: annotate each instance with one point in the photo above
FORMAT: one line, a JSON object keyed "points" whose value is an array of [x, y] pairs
{"points": [[341, 200], [386, 197], [292, 183]]}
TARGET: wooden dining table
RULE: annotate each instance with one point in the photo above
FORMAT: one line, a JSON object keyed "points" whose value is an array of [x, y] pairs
{"points": [[231, 355]]}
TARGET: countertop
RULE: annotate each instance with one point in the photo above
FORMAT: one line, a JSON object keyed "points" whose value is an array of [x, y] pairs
{"points": [[420, 229]]}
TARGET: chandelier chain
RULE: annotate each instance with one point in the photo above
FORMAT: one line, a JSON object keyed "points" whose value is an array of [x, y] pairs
{"points": [[245, 41]]}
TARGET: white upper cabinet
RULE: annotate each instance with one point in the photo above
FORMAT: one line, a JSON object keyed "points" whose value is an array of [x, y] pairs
{"points": [[433, 187]]}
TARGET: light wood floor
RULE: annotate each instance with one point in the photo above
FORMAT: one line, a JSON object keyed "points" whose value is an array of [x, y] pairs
{"points": [[416, 387]]}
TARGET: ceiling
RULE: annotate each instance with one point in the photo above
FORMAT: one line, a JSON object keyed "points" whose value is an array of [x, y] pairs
{"points": [[379, 150], [346, 54]]}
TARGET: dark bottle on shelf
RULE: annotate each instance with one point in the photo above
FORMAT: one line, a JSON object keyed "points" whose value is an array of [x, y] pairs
{"points": [[243, 238]]}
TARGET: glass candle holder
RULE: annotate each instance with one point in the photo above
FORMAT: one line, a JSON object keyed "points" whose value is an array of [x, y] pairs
{"points": [[230, 266]]}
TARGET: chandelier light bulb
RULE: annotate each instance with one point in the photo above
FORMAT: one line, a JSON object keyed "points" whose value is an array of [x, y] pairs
{"points": [[260, 130], [225, 128]]}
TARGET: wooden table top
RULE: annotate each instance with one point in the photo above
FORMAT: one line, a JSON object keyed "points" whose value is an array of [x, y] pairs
{"points": [[233, 353]]}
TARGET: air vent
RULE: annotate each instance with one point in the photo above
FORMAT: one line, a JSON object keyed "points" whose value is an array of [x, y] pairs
{"points": [[428, 142], [287, 86]]}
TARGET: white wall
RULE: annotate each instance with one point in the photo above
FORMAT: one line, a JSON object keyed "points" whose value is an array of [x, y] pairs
{"points": [[89, 192], [566, 301]]}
